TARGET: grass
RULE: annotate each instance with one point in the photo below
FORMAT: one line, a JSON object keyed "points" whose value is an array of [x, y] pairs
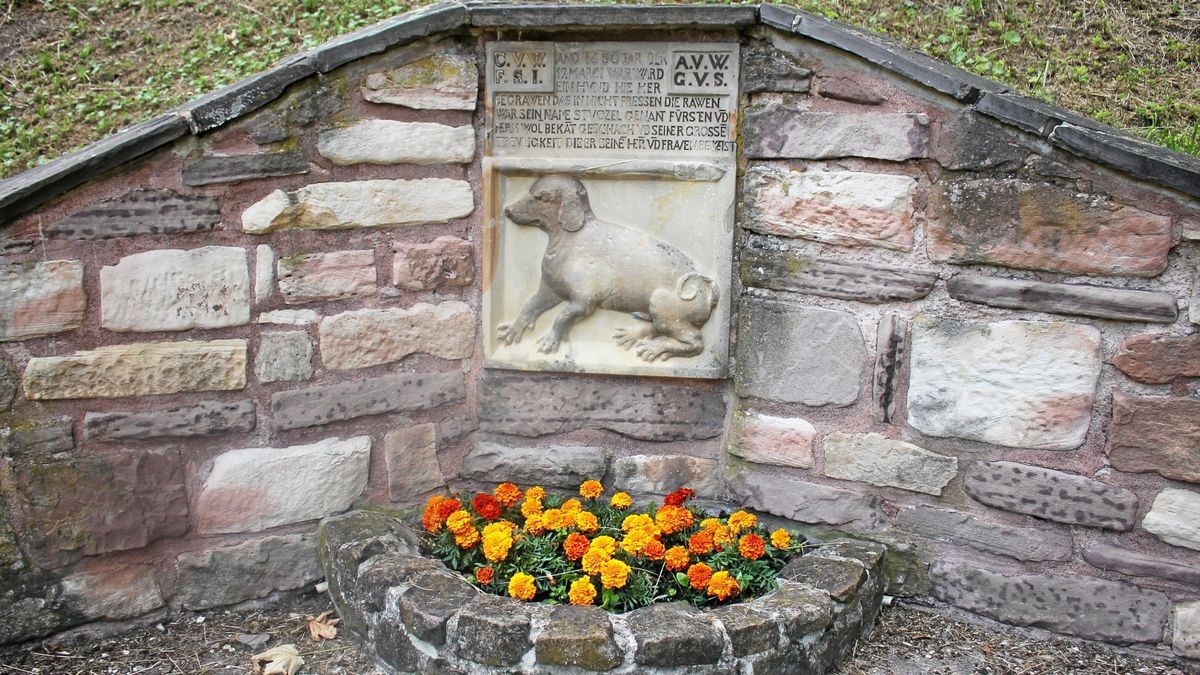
{"points": [[72, 71]]}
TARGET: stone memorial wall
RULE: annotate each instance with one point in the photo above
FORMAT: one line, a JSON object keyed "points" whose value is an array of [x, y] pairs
{"points": [[738, 248]]}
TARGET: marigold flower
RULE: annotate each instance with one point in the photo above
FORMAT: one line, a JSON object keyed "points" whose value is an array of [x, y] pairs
{"points": [[621, 501], [521, 586], [593, 561], [741, 521], [586, 522], [555, 519], [672, 519], [590, 489], [531, 507], [507, 494], [572, 507], [751, 546], [781, 539], [497, 539], [654, 550], [430, 517], [537, 492], [606, 544], [459, 521], [534, 525], [467, 538], [721, 536], [484, 575], [723, 586], [677, 558], [710, 523], [575, 546], [701, 543], [698, 575], [638, 521], [636, 540], [582, 591], [614, 574], [486, 506], [678, 497]]}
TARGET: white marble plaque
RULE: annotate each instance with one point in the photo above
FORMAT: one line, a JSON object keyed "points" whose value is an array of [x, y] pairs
{"points": [[608, 197]]}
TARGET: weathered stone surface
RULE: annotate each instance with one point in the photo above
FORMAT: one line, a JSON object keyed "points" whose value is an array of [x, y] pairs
{"points": [[346, 542], [445, 261], [1159, 358], [764, 439], [1126, 152], [448, 81], [77, 505], [112, 594], [229, 574], [768, 69], [381, 572], [12, 560], [891, 355], [335, 275], [140, 369], [1025, 384], [660, 474], [847, 208], [39, 437], [1120, 559], [1174, 517], [1089, 608], [1194, 301], [1155, 433], [802, 610], [673, 634], [10, 381], [579, 637], [887, 462], [1080, 299], [840, 578], [283, 356], [212, 169], [206, 418], [369, 337], [410, 456], [369, 203], [494, 631], [430, 601], [140, 212], [750, 631], [366, 396], [971, 142], [391, 142], [1053, 495], [963, 529], [264, 274], [1186, 640], [798, 354], [393, 646], [767, 262], [171, 289], [849, 90], [805, 502], [1039, 226], [561, 466], [290, 317], [40, 298], [783, 132], [528, 405], [254, 489]]}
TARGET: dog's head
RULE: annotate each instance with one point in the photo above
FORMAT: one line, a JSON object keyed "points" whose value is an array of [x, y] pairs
{"points": [[553, 201]]}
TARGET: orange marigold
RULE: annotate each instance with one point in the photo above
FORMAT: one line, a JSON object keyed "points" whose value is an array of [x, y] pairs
{"points": [[507, 494], [484, 575], [582, 591], [614, 574], [575, 546], [590, 489], [751, 546], [672, 519], [537, 492], [521, 586], [698, 575], [467, 538], [678, 497], [740, 521], [571, 507], [636, 540], [721, 536], [593, 561], [781, 539], [621, 501], [701, 543], [430, 519], [555, 519], [654, 550], [586, 522], [531, 507], [677, 558], [723, 586], [459, 522], [534, 525]]}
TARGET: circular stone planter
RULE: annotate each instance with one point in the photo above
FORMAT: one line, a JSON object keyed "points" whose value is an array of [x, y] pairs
{"points": [[418, 616]]}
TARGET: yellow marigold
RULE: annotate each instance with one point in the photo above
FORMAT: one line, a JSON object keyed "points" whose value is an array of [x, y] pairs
{"points": [[698, 576], [590, 489], [606, 544], [467, 538], [575, 546], [639, 521], [571, 507], [781, 539], [459, 521], [537, 492], [636, 540], [751, 546], [521, 586], [672, 519], [507, 494], [593, 561], [709, 523], [586, 522], [497, 540], [741, 521], [621, 500], [677, 558], [534, 525], [722, 536], [582, 591], [531, 507], [614, 574], [654, 550], [723, 586]]}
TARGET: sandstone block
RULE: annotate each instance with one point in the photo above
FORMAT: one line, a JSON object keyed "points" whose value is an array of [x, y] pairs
{"points": [[391, 142], [206, 418], [767, 262], [750, 631], [580, 637], [369, 337], [112, 594], [445, 261], [963, 529], [769, 69], [765, 439], [1194, 301], [798, 354], [560, 466], [40, 298], [835, 207], [530, 405], [1119, 559], [369, 203], [838, 577], [264, 274], [1155, 433], [1053, 495], [410, 456], [969, 141], [661, 474], [851, 91], [448, 81], [1040, 226], [805, 502], [140, 212], [494, 631], [1080, 299], [1024, 384], [674, 635], [1174, 517], [283, 357], [10, 380], [289, 317], [802, 609], [38, 437], [140, 369], [226, 575], [1186, 640], [427, 606], [254, 489], [314, 406], [171, 289], [1159, 358], [1094, 609], [335, 275], [887, 462], [214, 169], [784, 132]]}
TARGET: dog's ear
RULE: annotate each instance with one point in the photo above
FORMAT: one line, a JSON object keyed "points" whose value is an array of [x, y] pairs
{"points": [[572, 211]]}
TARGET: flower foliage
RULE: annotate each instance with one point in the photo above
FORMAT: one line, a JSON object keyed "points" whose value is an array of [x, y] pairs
{"points": [[599, 550]]}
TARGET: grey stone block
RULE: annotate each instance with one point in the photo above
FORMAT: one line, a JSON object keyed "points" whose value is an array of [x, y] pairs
{"points": [[140, 212], [284, 357], [802, 610], [750, 631], [367, 396], [431, 600], [783, 132], [891, 353], [963, 529], [247, 95], [1140, 158], [1120, 559], [806, 502], [213, 169], [38, 439], [557, 466], [205, 418], [1078, 299], [442, 17], [768, 69], [393, 646], [579, 637], [971, 142], [253, 569], [1053, 495], [494, 631], [1030, 114], [841, 579], [674, 635]]}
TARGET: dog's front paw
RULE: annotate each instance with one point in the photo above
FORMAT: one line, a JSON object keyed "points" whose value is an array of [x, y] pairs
{"points": [[511, 333], [548, 343], [625, 338], [652, 350]]}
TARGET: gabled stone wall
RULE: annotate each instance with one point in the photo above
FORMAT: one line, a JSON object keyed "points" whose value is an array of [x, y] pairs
{"points": [[963, 324]]}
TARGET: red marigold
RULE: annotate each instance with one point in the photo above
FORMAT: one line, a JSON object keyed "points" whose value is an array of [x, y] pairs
{"points": [[446, 507], [484, 575], [699, 576], [486, 506], [701, 543], [752, 546], [507, 494], [678, 497], [575, 546]]}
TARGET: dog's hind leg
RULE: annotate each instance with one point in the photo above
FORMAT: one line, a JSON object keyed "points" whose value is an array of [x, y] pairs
{"points": [[680, 339], [568, 317], [543, 300], [628, 337]]}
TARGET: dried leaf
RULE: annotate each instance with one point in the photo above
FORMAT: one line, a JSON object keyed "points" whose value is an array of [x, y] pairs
{"points": [[322, 627], [281, 660], [254, 640]]}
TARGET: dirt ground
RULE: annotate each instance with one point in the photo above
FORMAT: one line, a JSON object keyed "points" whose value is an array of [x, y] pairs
{"points": [[908, 640]]}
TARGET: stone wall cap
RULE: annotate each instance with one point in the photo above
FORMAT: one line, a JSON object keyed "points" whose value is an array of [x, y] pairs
{"points": [[559, 15], [1132, 155]]}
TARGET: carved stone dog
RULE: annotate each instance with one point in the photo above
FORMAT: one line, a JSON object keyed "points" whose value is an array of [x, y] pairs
{"points": [[592, 264]]}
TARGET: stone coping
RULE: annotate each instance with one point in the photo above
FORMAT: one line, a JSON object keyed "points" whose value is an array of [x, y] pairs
{"points": [[418, 616]]}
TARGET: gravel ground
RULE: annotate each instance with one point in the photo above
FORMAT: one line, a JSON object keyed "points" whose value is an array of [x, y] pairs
{"points": [[907, 640]]}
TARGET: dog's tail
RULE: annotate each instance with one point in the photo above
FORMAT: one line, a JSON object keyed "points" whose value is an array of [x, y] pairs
{"points": [[694, 286]]}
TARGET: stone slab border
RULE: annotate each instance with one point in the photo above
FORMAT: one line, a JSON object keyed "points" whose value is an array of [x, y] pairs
{"points": [[418, 616]]}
